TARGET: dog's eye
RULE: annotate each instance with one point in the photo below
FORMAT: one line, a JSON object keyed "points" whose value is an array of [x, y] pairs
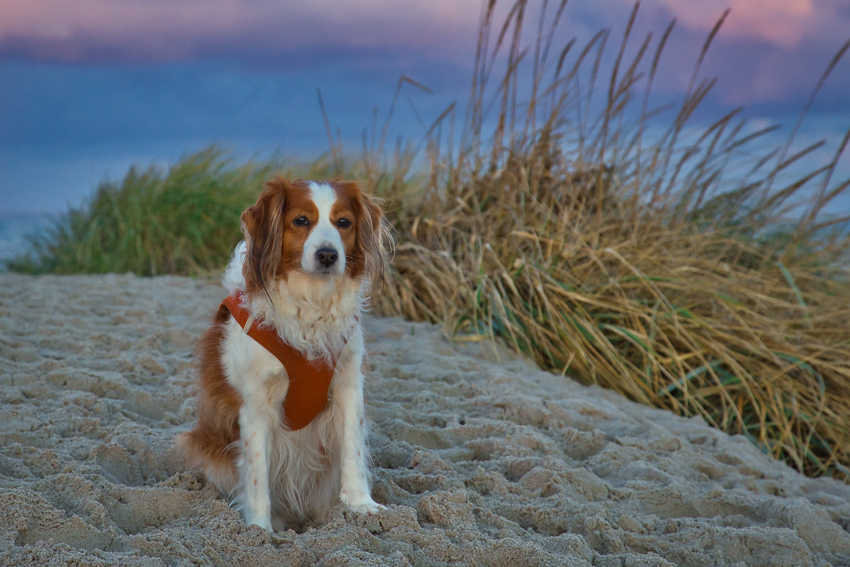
{"points": [[301, 221], [343, 223]]}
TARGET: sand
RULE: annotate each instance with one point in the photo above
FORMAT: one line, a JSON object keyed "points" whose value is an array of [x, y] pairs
{"points": [[481, 458]]}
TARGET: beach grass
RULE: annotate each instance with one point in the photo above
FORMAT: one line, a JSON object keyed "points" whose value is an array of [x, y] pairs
{"points": [[183, 220], [153, 222], [678, 265]]}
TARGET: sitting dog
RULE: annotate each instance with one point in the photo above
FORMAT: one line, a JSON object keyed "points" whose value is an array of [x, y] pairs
{"points": [[281, 426]]}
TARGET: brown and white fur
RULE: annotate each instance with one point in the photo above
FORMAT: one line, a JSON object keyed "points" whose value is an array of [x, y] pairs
{"points": [[286, 271]]}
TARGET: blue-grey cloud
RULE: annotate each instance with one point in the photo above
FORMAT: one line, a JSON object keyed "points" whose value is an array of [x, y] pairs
{"points": [[159, 31]]}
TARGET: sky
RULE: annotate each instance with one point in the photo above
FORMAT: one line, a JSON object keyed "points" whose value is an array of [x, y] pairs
{"points": [[89, 87]]}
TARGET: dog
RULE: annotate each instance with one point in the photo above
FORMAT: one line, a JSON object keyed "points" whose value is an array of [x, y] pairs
{"points": [[301, 278]]}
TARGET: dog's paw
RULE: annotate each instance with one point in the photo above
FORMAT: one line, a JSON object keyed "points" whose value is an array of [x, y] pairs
{"points": [[361, 504], [263, 523]]}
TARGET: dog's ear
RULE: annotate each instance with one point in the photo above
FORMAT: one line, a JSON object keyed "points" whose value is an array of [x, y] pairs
{"points": [[262, 226], [375, 239]]}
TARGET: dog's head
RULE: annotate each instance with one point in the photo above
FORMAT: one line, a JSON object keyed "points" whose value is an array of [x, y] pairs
{"points": [[323, 229]]}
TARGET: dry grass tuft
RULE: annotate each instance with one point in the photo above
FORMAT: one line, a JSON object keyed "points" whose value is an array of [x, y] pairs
{"points": [[637, 265]]}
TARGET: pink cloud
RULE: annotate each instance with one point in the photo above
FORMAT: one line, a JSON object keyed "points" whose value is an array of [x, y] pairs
{"points": [[767, 50], [782, 22], [785, 23], [164, 30]]}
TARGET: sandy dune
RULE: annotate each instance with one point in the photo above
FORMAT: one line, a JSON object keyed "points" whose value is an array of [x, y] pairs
{"points": [[481, 463]]}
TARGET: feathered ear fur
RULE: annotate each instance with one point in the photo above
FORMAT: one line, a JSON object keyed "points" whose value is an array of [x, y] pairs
{"points": [[375, 238], [262, 226]]}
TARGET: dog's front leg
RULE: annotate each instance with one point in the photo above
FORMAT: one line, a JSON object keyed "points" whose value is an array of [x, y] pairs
{"points": [[254, 468], [354, 481]]}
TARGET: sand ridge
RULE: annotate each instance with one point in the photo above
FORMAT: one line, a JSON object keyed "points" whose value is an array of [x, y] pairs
{"points": [[482, 458]]}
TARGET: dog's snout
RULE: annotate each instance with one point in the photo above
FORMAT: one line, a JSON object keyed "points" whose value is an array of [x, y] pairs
{"points": [[327, 256]]}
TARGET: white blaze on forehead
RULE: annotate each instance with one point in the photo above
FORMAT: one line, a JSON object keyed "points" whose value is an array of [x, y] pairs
{"points": [[324, 196], [324, 234]]}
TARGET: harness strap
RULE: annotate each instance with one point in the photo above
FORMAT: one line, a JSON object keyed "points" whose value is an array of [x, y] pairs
{"points": [[309, 381]]}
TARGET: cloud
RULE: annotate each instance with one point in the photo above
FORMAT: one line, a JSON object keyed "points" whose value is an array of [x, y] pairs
{"points": [[159, 31], [767, 51], [782, 22], [773, 51]]}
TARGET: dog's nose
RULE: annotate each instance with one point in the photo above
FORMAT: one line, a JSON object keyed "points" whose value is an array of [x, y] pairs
{"points": [[327, 256]]}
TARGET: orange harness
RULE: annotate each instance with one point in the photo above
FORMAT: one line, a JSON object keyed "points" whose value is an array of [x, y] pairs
{"points": [[309, 381]]}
